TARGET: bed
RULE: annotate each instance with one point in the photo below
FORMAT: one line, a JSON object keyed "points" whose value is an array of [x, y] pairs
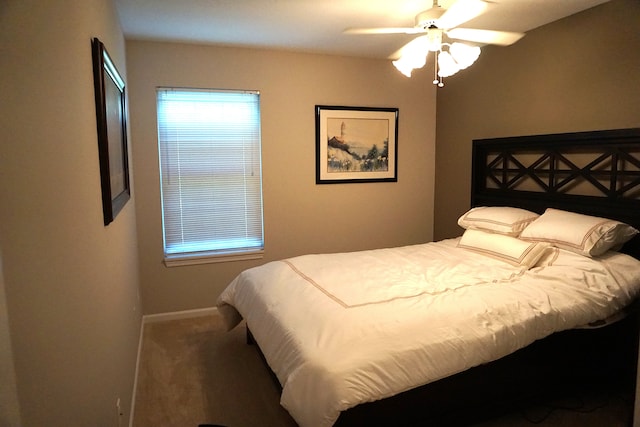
{"points": [[349, 335]]}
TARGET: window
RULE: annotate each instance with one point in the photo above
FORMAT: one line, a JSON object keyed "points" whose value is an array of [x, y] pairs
{"points": [[210, 173]]}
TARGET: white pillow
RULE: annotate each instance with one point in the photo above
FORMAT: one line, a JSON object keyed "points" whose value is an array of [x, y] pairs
{"points": [[583, 234], [498, 219], [506, 248]]}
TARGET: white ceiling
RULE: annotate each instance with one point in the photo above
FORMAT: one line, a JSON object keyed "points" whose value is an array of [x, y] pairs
{"points": [[316, 25]]}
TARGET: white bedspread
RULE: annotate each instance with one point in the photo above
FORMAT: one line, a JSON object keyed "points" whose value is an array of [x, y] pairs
{"points": [[343, 329]]}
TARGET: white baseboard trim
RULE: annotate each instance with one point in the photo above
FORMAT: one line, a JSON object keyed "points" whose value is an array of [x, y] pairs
{"points": [[135, 378], [186, 314]]}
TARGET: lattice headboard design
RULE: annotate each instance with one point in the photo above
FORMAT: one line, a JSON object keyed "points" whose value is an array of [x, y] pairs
{"points": [[615, 173], [596, 173]]}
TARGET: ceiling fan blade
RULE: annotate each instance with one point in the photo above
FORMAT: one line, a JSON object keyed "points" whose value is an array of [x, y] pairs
{"points": [[461, 12], [501, 38], [419, 45], [390, 30]]}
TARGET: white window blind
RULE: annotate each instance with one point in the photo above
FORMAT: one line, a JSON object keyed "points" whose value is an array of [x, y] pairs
{"points": [[210, 171]]}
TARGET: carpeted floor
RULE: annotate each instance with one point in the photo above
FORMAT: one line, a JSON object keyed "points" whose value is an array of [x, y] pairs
{"points": [[193, 372]]}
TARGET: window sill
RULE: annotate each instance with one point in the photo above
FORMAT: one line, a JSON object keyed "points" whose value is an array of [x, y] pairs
{"points": [[210, 258]]}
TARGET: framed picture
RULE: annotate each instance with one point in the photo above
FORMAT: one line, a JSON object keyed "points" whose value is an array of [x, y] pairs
{"points": [[356, 144], [112, 132]]}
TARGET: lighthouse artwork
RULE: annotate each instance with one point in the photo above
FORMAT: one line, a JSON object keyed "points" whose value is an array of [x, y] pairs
{"points": [[356, 144], [364, 149]]}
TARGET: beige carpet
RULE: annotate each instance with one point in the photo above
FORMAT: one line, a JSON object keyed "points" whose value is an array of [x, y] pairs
{"points": [[193, 372]]}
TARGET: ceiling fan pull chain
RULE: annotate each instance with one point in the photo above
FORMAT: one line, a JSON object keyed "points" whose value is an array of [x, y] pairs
{"points": [[437, 80]]}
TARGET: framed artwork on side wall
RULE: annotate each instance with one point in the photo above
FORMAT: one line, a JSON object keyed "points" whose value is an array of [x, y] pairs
{"points": [[112, 132]]}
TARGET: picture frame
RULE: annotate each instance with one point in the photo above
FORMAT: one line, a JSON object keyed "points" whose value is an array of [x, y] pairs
{"points": [[356, 144], [112, 132]]}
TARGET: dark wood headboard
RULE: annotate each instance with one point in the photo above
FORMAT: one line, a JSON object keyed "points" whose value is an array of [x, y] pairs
{"points": [[594, 173]]}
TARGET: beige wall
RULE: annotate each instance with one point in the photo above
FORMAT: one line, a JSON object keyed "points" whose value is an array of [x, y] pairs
{"points": [[299, 216], [71, 283], [578, 74]]}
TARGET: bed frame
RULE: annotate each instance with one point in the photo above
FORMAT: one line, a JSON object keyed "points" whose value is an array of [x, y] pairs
{"points": [[595, 173]]}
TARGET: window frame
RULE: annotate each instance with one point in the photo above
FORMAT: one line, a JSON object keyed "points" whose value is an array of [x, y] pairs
{"points": [[205, 256]]}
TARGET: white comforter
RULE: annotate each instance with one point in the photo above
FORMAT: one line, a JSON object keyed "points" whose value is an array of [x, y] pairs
{"points": [[343, 329]]}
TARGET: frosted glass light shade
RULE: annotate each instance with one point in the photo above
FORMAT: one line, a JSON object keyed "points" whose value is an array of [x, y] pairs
{"points": [[463, 54], [446, 65], [407, 63], [413, 55]]}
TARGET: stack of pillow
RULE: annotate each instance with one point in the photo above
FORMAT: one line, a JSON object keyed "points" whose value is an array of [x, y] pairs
{"points": [[522, 237]]}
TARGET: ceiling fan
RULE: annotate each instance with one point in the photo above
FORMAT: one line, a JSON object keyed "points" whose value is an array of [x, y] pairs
{"points": [[436, 22]]}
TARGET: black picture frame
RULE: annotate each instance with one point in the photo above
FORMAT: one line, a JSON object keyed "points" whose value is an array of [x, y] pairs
{"points": [[112, 132], [356, 144]]}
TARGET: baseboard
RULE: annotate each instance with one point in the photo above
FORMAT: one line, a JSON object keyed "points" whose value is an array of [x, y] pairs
{"points": [[135, 378], [186, 314]]}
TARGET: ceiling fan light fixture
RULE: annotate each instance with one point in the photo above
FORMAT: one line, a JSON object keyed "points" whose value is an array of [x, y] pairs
{"points": [[413, 55], [403, 66], [409, 62], [447, 66], [434, 37], [464, 54], [448, 62]]}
